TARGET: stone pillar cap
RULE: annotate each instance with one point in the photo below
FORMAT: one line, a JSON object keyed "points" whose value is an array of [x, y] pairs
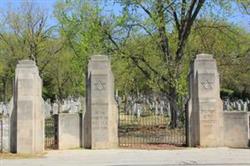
{"points": [[204, 56], [27, 64], [100, 58], [26, 61]]}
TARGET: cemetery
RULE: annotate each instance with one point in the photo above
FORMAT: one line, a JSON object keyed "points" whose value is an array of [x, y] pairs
{"points": [[124, 82], [30, 125]]}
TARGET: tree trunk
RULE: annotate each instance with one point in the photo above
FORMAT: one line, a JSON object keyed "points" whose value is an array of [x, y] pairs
{"points": [[173, 107], [125, 104], [5, 97]]}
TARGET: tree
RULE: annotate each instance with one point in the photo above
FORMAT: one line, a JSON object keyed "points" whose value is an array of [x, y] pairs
{"points": [[149, 35], [163, 20], [79, 25], [230, 46], [169, 24], [25, 34]]}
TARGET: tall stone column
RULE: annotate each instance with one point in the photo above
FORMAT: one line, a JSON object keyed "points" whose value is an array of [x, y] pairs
{"points": [[27, 117], [101, 117], [205, 109]]}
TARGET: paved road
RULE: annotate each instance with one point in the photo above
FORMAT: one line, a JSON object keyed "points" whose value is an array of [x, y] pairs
{"points": [[122, 157]]}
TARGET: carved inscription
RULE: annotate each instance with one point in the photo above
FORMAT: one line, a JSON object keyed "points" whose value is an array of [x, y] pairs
{"points": [[100, 85], [208, 118], [207, 84], [207, 81], [100, 123]]}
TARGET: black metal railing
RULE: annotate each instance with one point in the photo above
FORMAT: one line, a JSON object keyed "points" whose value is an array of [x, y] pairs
{"points": [[51, 132], [150, 128]]}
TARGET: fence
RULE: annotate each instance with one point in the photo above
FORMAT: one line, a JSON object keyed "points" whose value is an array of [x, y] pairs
{"points": [[51, 132], [146, 124]]}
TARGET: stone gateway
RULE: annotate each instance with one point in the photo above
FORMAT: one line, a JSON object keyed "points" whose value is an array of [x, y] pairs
{"points": [[205, 113], [27, 117], [101, 117], [208, 125]]}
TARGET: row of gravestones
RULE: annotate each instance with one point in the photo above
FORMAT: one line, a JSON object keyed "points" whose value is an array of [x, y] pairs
{"points": [[69, 105], [135, 105], [236, 105], [207, 125]]}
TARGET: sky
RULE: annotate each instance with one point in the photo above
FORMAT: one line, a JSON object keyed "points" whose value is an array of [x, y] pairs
{"points": [[238, 18]]}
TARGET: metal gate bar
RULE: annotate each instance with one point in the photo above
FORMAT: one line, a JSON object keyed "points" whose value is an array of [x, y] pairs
{"points": [[51, 133], [150, 130]]}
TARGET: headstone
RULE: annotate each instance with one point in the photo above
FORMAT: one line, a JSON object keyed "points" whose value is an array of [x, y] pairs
{"points": [[47, 109], [101, 117], [4, 133], [5, 109], [168, 109], [162, 107], [228, 107], [234, 106], [139, 110], [238, 105], [134, 108], [245, 106], [27, 117], [73, 107], [205, 110], [55, 109]]}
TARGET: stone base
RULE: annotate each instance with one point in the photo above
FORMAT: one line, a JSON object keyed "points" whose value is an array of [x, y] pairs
{"points": [[69, 131], [236, 129]]}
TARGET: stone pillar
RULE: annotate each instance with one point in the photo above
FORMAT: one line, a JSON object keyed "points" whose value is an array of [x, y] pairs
{"points": [[205, 108], [101, 117], [27, 117]]}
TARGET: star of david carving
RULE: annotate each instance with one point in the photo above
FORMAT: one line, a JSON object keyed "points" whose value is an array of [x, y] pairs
{"points": [[99, 85], [207, 84]]}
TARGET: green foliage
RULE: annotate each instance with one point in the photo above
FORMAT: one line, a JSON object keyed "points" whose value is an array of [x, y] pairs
{"points": [[131, 39], [230, 46]]}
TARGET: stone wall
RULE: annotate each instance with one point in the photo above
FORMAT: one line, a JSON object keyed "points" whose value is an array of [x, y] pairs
{"points": [[236, 129], [101, 117], [69, 130], [27, 117]]}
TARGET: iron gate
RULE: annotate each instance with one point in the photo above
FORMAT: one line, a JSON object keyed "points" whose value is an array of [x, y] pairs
{"points": [[51, 132], [144, 124]]}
